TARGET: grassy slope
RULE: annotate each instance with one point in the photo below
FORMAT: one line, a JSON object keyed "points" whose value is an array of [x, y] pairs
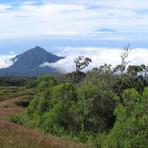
{"points": [[15, 136], [8, 92]]}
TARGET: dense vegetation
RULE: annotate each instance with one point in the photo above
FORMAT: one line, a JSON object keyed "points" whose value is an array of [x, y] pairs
{"points": [[18, 81], [104, 107]]}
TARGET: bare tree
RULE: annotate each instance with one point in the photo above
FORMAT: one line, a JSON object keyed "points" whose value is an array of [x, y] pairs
{"points": [[121, 68], [124, 62]]}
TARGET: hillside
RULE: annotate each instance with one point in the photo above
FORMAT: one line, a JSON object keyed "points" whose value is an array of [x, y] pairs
{"points": [[13, 135]]}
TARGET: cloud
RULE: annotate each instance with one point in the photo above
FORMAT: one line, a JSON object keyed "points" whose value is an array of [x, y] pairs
{"points": [[5, 60], [99, 57], [71, 18], [4, 7], [127, 4]]}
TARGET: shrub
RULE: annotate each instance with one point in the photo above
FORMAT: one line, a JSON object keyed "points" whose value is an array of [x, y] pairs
{"points": [[130, 129]]}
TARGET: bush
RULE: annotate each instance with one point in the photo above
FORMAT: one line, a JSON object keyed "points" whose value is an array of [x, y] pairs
{"points": [[95, 108], [130, 129]]}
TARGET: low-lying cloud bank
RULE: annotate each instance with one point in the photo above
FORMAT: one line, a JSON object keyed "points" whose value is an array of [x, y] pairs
{"points": [[99, 57], [5, 60]]}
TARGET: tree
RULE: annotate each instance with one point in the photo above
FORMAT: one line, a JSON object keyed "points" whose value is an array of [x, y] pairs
{"points": [[124, 56], [130, 129], [81, 63], [106, 68], [145, 70], [136, 73], [95, 107], [101, 76], [133, 70], [121, 69]]}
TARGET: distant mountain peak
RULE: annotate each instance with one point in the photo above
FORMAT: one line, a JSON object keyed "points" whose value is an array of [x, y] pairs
{"points": [[36, 49], [28, 63], [106, 30]]}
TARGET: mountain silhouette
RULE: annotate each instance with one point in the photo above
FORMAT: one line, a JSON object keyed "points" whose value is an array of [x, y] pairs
{"points": [[28, 63]]}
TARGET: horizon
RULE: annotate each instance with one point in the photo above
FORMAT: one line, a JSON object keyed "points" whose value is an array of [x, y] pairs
{"points": [[70, 28]]}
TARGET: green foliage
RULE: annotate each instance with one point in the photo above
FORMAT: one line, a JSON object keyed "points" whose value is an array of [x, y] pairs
{"points": [[64, 91], [55, 120], [75, 77], [130, 129], [96, 108], [28, 82], [97, 141], [15, 119], [50, 108], [62, 109]]}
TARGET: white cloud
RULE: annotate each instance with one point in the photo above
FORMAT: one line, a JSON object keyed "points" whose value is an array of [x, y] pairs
{"points": [[99, 57], [126, 4], [71, 18], [120, 4], [4, 7], [5, 60]]}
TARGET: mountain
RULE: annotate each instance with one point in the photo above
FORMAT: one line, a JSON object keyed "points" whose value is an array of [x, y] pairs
{"points": [[107, 30], [28, 63]]}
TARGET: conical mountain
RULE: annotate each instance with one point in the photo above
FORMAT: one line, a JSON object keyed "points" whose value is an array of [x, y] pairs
{"points": [[28, 63]]}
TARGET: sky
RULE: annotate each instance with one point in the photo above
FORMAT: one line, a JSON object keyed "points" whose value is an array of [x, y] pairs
{"points": [[102, 26]]}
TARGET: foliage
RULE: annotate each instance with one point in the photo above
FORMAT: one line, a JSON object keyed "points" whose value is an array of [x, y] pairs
{"points": [[71, 77], [133, 70], [62, 109], [130, 129], [96, 108], [81, 63], [28, 82]]}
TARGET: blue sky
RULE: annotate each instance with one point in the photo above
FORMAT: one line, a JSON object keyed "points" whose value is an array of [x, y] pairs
{"points": [[59, 24]]}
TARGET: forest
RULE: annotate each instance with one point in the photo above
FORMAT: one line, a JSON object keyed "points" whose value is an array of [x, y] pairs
{"points": [[106, 107]]}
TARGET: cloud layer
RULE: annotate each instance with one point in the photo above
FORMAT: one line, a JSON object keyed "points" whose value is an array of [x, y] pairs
{"points": [[99, 57], [5, 60]]}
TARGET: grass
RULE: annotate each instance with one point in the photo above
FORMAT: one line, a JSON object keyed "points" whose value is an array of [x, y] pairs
{"points": [[16, 136], [8, 92]]}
